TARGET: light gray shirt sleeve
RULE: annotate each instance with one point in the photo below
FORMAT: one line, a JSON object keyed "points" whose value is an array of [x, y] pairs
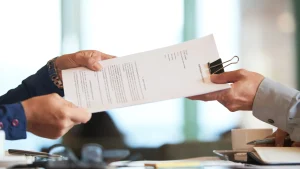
{"points": [[278, 105]]}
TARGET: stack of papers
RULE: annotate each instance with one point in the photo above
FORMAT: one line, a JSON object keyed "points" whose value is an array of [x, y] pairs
{"points": [[167, 73]]}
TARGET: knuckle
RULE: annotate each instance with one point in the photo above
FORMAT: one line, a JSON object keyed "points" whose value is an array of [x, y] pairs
{"points": [[63, 114], [94, 52], [62, 125], [91, 61], [77, 55], [234, 98], [231, 108], [54, 95], [242, 72]]}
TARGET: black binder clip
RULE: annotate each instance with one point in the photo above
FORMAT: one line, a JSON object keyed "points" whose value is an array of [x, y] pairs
{"points": [[217, 67]]}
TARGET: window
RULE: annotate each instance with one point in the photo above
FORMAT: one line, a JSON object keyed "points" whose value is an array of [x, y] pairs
{"points": [[223, 20], [30, 36], [126, 27]]}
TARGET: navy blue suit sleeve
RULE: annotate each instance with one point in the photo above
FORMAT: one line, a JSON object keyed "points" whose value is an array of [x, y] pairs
{"points": [[12, 115], [35, 85]]}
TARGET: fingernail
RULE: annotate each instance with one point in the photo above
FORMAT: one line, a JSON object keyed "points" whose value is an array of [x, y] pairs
{"points": [[97, 66]]}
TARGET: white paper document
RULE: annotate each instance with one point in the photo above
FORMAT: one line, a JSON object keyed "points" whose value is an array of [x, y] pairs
{"points": [[172, 72]]}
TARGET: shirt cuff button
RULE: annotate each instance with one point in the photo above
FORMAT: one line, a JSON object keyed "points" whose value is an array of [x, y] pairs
{"points": [[270, 121], [1, 125], [15, 122]]}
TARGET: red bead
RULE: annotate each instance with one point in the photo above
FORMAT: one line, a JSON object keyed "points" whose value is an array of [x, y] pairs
{"points": [[15, 122], [1, 125]]}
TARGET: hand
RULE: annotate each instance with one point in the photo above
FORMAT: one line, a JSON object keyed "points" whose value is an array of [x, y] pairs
{"points": [[279, 139], [280, 136], [85, 58], [51, 116], [242, 92]]}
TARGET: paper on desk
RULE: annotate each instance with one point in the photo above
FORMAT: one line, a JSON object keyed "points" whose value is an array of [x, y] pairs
{"points": [[182, 163], [172, 72]]}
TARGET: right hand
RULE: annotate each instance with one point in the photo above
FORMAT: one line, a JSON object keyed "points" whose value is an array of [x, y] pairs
{"points": [[242, 92], [51, 116], [280, 136], [86, 58]]}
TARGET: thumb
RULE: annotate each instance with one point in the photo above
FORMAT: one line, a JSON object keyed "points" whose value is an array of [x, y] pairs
{"points": [[89, 59], [227, 77], [79, 115], [105, 56]]}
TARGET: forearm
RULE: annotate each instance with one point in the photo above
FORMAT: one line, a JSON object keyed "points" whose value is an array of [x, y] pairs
{"points": [[278, 105], [13, 121], [35, 85]]}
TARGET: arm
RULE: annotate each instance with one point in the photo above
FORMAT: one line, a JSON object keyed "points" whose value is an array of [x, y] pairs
{"points": [[24, 109], [35, 85], [41, 83], [271, 102], [278, 105], [12, 116]]}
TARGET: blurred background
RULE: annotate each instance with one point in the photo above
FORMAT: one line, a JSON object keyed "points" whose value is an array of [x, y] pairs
{"points": [[263, 33]]}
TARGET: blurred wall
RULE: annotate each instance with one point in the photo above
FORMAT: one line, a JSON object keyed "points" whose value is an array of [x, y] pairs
{"points": [[267, 38]]}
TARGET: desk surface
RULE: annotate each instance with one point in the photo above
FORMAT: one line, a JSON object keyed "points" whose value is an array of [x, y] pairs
{"points": [[255, 167]]}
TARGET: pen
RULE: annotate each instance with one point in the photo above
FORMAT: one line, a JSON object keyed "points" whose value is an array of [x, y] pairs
{"points": [[32, 153], [270, 140]]}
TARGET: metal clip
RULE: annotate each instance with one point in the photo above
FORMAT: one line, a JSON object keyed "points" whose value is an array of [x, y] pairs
{"points": [[222, 68]]}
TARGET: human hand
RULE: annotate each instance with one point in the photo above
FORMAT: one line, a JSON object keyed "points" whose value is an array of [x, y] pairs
{"points": [[242, 92], [280, 140], [85, 58], [51, 116]]}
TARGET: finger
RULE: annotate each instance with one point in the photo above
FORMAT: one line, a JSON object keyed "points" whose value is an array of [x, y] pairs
{"points": [[280, 137], [79, 115], [272, 135], [89, 59], [107, 56], [227, 77], [206, 97], [199, 97]]}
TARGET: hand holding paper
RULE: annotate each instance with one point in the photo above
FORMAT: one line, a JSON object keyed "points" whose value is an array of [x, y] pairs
{"points": [[166, 73], [242, 92]]}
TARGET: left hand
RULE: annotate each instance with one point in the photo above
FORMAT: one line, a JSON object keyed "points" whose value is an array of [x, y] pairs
{"points": [[85, 58]]}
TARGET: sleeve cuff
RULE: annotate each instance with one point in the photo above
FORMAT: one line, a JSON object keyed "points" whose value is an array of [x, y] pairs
{"points": [[272, 102], [48, 84], [13, 121]]}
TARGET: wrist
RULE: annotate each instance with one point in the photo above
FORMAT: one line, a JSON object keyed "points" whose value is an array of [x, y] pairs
{"points": [[28, 107], [57, 68], [55, 72]]}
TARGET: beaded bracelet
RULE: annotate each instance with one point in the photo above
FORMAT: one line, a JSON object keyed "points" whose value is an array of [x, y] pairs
{"points": [[54, 74]]}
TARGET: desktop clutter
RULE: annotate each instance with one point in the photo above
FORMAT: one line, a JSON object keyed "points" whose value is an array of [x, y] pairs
{"points": [[250, 146], [59, 156], [245, 152]]}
